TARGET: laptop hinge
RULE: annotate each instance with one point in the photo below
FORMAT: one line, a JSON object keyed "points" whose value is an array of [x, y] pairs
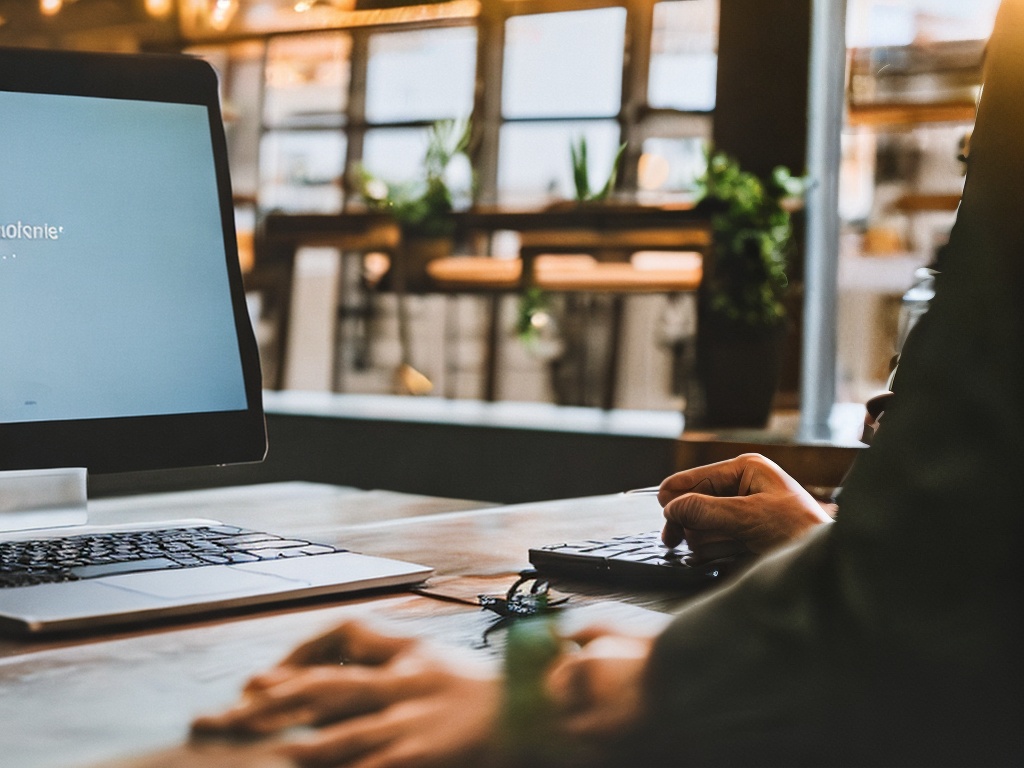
{"points": [[43, 498]]}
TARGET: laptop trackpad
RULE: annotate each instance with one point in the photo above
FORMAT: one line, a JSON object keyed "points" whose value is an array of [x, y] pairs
{"points": [[210, 580]]}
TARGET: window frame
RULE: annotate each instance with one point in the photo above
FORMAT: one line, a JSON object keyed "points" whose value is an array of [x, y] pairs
{"points": [[636, 119]]}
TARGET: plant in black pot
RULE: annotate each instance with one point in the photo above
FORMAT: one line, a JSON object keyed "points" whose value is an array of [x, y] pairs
{"points": [[742, 321]]}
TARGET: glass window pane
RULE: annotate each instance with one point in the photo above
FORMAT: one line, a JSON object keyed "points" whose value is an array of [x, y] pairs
{"points": [[535, 162], [684, 55], [395, 154], [421, 75], [671, 165], [300, 171], [883, 22], [564, 64], [307, 80]]}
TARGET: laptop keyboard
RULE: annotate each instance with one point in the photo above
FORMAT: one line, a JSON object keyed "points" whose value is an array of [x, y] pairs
{"points": [[40, 561], [638, 558]]}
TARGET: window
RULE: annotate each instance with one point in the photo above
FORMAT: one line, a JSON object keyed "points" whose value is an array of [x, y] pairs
{"points": [[670, 165], [307, 79], [364, 94], [562, 81], [421, 75], [302, 151], [535, 161], [300, 171], [684, 57], [394, 154], [564, 64]]}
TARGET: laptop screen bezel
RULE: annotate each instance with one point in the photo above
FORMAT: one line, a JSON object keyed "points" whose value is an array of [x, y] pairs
{"points": [[130, 443]]}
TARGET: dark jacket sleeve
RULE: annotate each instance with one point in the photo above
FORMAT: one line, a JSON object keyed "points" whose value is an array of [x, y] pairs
{"points": [[894, 636]]}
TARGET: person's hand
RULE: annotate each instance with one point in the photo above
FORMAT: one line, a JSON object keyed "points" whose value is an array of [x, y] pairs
{"points": [[746, 502], [597, 690], [372, 700]]}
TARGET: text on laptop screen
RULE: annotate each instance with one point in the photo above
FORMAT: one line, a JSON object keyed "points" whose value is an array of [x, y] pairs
{"points": [[114, 295]]}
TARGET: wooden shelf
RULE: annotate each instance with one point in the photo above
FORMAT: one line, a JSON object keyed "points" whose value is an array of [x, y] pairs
{"points": [[897, 114], [922, 203]]}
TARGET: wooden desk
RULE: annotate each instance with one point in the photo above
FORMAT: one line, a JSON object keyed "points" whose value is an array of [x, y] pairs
{"points": [[85, 700]]}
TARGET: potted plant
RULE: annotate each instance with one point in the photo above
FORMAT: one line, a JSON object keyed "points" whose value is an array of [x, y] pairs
{"points": [[423, 207], [534, 321], [742, 320]]}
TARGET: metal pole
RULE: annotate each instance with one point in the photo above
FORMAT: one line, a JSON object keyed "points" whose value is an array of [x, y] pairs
{"points": [[824, 126]]}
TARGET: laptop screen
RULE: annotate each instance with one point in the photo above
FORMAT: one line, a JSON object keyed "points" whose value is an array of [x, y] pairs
{"points": [[110, 302], [121, 308]]}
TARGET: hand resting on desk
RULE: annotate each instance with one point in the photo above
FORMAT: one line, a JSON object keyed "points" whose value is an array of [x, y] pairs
{"points": [[366, 699], [748, 500]]}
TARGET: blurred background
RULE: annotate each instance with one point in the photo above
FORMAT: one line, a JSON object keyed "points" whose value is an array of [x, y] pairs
{"points": [[320, 95]]}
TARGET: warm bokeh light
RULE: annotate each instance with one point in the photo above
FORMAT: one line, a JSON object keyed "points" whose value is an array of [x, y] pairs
{"points": [[653, 171], [222, 13], [159, 8], [50, 7]]}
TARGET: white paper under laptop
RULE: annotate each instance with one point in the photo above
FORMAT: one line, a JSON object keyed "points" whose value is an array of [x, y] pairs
{"points": [[125, 344]]}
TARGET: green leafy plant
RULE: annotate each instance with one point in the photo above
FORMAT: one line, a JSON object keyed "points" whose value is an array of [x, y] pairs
{"points": [[533, 303], [752, 232], [424, 205], [581, 172], [533, 314]]}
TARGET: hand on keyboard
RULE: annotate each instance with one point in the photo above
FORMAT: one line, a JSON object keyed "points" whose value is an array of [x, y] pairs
{"points": [[748, 502]]}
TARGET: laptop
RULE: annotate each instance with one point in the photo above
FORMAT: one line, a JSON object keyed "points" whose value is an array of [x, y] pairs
{"points": [[125, 344]]}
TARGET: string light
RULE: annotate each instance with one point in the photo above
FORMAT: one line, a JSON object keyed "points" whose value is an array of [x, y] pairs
{"points": [[222, 13]]}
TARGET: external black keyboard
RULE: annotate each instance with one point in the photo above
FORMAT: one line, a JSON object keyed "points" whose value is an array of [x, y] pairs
{"points": [[638, 559], [40, 561]]}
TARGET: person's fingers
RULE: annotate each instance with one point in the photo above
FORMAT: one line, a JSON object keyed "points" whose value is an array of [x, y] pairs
{"points": [[725, 516], [599, 685], [672, 533], [590, 633], [268, 679], [716, 547], [419, 733], [309, 696], [745, 474], [713, 527], [352, 641], [401, 755], [343, 742], [719, 479], [254, 716]]}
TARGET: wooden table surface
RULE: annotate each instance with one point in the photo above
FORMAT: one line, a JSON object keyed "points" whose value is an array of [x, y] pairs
{"points": [[103, 698]]}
